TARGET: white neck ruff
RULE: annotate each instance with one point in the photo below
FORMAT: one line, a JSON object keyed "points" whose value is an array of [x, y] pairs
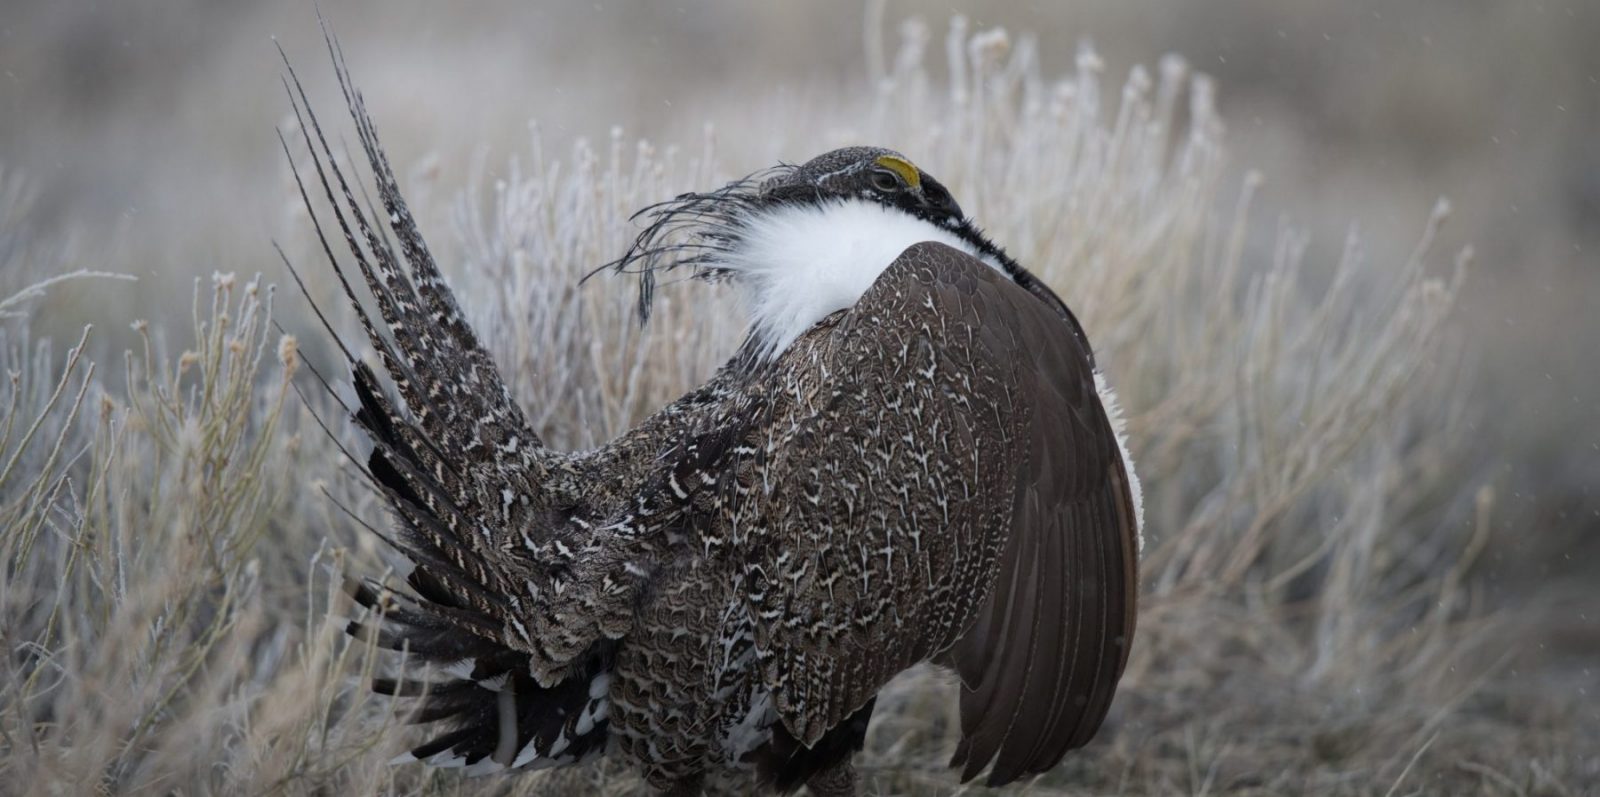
{"points": [[798, 264]]}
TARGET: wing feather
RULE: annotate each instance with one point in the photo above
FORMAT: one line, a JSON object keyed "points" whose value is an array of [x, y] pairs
{"points": [[1073, 496], [947, 392]]}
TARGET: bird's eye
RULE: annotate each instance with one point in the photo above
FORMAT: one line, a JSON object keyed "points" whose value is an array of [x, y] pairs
{"points": [[885, 181]]}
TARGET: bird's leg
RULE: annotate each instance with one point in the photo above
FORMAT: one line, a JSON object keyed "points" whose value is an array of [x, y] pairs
{"points": [[838, 780], [691, 786]]}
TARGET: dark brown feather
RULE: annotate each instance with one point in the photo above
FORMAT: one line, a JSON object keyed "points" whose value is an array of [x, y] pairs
{"points": [[1073, 547], [1010, 550]]}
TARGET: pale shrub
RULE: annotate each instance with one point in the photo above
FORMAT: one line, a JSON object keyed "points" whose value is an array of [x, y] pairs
{"points": [[172, 544]]}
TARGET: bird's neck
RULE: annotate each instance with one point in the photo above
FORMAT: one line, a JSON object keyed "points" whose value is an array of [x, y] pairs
{"points": [[799, 263]]}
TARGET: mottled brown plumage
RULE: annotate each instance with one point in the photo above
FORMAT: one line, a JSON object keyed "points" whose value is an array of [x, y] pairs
{"points": [[927, 474]]}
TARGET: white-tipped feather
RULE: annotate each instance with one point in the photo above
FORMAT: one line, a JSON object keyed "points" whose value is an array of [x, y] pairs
{"points": [[446, 759], [485, 766], [594, 711], [800, 263], [462, 669], [754, 728], [526, 756]]}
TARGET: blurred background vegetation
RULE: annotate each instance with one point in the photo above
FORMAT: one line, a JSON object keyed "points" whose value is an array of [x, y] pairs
{"points": [[137, 138], [144, 132]]}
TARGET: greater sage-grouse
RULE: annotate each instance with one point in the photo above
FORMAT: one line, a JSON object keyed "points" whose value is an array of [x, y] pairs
{"points": [[911, 458]]}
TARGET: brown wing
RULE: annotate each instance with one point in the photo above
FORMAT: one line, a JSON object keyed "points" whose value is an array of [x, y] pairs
{"points": [[944, 484], [1040, 665]]}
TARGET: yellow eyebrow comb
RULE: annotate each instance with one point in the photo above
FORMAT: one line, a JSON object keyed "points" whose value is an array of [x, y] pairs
{"points": [[902, 167]]}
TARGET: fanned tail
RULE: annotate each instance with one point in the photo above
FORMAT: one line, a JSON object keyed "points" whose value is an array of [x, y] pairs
{"points": [[494, 716], [463, 474]]}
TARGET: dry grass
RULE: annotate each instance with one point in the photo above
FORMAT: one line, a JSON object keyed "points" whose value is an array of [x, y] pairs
{"points": [[172, 535]]}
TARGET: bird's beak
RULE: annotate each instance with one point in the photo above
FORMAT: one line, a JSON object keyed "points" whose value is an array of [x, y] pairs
{"points": [[942, 205]]}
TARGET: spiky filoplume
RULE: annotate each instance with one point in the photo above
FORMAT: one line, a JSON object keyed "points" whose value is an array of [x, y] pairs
{"points": [[910, 459]]}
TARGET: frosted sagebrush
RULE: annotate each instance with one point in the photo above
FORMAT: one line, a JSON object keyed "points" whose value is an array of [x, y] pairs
{"points": [[166, 604]]}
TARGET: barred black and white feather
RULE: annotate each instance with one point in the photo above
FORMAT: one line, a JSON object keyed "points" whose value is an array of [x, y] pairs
{"points": [[502, 597]]}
